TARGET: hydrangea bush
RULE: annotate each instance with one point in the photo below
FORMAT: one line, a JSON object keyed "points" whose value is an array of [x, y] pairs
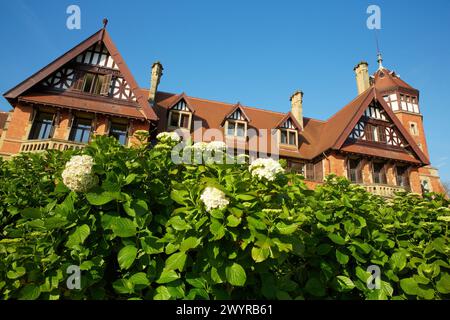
{"points": [[151, 229]]}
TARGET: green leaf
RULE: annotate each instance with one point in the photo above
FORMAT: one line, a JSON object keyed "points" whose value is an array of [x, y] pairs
{"points": [[260, 254], [323, 249], [126, 256], [179, 196], [286, 229], [140, 279], [217, 229], [443, 285], [233, 221], [30, 292], [341, 257], [409, 286], [336, 238], [16, 273], [100, 199], [123, 227], [78, 236], [167, 276], [245, 197], [177, 223], [134, 208], [123, 286], [189, 243], [344, 283], [236, 275], [31, 213], [176, 261], [398, 261], [150, 245], [315, 287]]}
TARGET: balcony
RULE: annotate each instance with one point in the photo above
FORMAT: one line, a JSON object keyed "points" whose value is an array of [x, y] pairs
{"points": [[50, 144], [385, 191]]}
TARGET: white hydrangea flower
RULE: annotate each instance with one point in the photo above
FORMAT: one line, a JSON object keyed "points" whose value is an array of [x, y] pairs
{"points": [[214, 198], [77, 174], [216, 146], [263, 168], [168, 137], [199, 146]]}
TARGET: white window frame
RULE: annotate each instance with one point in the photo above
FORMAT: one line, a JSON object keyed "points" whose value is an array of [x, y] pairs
{"points": [[288, 131], [235, 128], [179, 119]]}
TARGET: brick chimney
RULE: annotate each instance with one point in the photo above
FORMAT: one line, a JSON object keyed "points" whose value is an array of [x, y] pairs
{"points": [[157, 69], [362, 76], [297, 106]]}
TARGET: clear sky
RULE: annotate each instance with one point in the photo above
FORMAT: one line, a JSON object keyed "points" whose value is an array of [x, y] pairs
{"points": [[255, 52]]}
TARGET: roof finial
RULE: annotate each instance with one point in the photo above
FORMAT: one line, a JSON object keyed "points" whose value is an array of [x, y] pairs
{"points": [[380, 60], [105, 23]]}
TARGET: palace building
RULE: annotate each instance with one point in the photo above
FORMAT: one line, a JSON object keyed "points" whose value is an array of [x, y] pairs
{"points": [[376, 140]]}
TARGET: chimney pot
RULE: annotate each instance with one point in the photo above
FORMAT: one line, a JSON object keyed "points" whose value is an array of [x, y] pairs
{"points": [[362, 76]]}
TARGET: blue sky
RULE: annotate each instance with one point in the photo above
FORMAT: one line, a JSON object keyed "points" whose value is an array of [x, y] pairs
{"points": [[255, 52]]}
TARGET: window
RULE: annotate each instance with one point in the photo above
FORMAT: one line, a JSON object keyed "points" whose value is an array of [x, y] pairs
{"points": [[381, 134], [309, 171], [402, 178], [81, 130], [354, 170], [296, 167], [425, 185], [178, 119], [288, 137], [379, 173], [93, 83], [413, 128], [236, 128], [119, 131], [42, 127]]}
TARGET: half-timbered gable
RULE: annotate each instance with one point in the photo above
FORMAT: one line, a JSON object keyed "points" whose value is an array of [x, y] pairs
{"points": [[236, 122]]}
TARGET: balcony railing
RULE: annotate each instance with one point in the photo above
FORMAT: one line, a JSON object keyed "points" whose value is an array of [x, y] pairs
{"points": [[49, 144], [386, 191]]}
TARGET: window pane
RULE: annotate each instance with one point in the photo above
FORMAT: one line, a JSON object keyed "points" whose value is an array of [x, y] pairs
{"points": [[98, 84], [42, 127], [184, 121], [231, 126], [284, 137], [174, 119], [81, 130], [240, 130], [292, 138], [88, 80], [119, 131]]}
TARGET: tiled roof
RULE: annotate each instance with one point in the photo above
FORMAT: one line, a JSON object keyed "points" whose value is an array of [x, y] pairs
{"points": [[316, 138]]}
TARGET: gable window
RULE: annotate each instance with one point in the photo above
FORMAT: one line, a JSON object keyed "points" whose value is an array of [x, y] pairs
{"points": [[180, 116], [236, 128], [379, 173], [93, 83], [180, 119], [354, 170], [402, 178], [288, 136], [81, 130], [42, 127], [119, 131]]}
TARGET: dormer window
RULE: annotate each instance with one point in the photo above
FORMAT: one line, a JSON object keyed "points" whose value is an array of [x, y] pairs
{"points": [[180, 116], [235, 128], [288, 133], [288, 137], [236, 123]]}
